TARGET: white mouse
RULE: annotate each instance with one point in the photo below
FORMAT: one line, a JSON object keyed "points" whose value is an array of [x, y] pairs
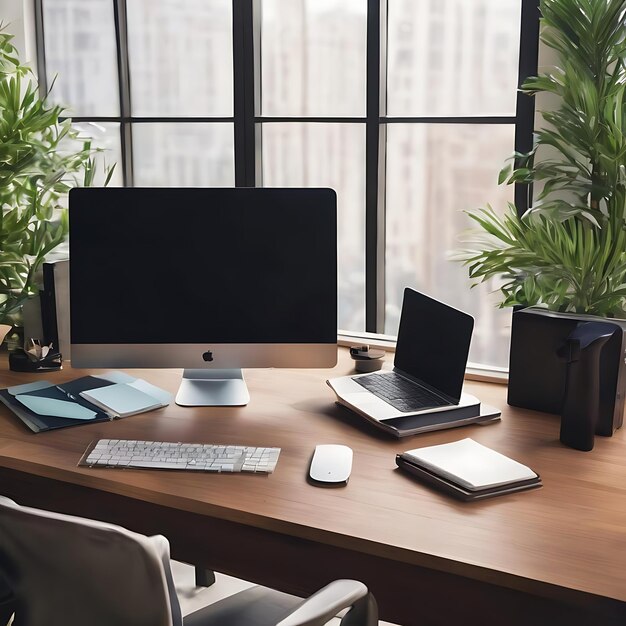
{"points": [[331, 463]]}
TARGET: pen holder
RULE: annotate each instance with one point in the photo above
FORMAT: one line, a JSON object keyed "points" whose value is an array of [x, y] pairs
{"points": [[35, 358]]}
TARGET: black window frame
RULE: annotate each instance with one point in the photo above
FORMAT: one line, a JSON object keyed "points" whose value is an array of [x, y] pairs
{"points": [[247, 119]]}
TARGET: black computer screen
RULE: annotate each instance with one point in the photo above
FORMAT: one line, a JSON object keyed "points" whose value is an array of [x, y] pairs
{"points": [[433, 342], [203, 265]]}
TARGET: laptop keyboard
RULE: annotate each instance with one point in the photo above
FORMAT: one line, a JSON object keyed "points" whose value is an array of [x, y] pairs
{"points": [[401, 393]]}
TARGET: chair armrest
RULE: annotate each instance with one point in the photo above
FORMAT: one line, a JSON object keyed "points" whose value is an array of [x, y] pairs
{"points": [[328, 601]]}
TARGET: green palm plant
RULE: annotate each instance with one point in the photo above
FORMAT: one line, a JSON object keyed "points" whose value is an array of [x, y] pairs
{"points": [[568, 251], [41, 158]]}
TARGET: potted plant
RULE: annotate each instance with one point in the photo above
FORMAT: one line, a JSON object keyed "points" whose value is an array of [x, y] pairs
{"points": [[567, 253], [41, 158]]}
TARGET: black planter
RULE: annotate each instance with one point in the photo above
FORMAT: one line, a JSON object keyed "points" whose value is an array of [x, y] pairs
{"points": [[538, 370]]}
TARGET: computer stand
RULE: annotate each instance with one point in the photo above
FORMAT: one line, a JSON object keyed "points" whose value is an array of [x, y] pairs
{"points": [[212, 388]]}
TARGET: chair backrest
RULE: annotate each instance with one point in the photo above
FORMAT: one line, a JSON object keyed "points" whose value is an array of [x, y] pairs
{"points": [[73, 571]]}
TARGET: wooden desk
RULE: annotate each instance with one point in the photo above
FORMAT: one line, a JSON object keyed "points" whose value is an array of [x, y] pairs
{"points": [[555, 555]]}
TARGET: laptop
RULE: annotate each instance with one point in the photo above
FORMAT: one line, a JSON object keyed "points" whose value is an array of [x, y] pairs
{"points": [[427, 377]]}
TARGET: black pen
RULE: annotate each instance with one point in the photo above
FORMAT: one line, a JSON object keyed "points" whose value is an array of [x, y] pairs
{"points": [[67, 393]]}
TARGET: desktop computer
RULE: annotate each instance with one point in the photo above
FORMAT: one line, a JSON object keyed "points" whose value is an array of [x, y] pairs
{"points": [[210, 280]]}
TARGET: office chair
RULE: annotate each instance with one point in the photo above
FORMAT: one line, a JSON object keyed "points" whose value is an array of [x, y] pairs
{"points": [[71, 571], [7, 602]]}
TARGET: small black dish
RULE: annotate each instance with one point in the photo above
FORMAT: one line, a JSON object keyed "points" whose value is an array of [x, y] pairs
{"points": [[366, 359]]}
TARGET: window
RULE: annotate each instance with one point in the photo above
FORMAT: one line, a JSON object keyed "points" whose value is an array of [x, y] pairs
{"points": [[407, 108]]}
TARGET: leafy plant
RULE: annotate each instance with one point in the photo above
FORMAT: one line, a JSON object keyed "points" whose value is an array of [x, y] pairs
{"points": [[41, 158], [568, 251]]}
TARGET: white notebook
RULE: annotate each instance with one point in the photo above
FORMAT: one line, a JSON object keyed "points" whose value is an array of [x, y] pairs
{"points": [[124, 399], [470, 464]]}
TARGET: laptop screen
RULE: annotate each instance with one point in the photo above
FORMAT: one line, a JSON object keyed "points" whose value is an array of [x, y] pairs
{"points": [[433, 343]]}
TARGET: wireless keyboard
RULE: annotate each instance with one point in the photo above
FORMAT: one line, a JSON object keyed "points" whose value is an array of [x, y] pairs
{"points": [[179, 456]]}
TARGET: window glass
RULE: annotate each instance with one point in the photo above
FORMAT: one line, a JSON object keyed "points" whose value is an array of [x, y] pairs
{"points": [[185, 155], [434, 173], [313, 57], [327, 155], [452, 57], [180, 54], [81, 56], [105, 136]]}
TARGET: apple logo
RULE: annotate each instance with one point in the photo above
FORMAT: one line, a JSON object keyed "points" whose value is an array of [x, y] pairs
{"points": [[207, 356]]}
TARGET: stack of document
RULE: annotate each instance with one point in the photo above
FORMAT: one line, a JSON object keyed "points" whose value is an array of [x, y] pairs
{"points": [[468, 470]]}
